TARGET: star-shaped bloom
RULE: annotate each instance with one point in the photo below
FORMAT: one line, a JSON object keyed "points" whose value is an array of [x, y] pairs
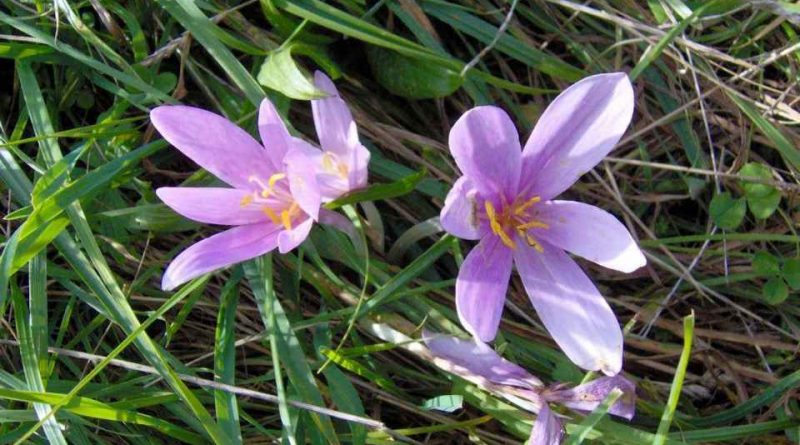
{"points": [[341, 162], [478, 363], [271, 203], [505, 199]]}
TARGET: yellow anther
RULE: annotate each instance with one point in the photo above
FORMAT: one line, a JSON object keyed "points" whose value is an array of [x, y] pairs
{"points": [[526, 205], [343, 171], [533, 225], [272, 216], [533, 243], [286, 219], [275, 178], [246, 201], [497, 228], [329, 162]]}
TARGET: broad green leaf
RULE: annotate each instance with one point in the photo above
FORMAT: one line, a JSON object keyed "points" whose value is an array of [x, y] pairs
{"points": [[411, 78], [766, 264], [775, 291], [762, 199], [791, 273], [380, 191], [727, 212], [281, 73]]}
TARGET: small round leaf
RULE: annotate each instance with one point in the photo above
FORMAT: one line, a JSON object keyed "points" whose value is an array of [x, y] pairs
{"points": [[775, 291], [765, 263], [727, 212], [791, 273]]}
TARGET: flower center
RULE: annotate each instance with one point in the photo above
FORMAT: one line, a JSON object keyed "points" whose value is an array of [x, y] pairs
{"points": [[515, 218], [334, 166], [269, 189]]}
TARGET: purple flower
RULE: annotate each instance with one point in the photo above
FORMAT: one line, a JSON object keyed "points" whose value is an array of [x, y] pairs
{"points": [[505, 200], [480, 364], [272, 203], [341, 164]]}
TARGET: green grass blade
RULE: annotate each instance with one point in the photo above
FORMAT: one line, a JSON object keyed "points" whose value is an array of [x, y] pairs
{"points": [[677, 382], [227, 408], [193, 19], [289, 348]]}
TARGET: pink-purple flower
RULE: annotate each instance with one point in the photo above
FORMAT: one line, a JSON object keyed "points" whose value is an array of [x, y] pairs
{"points": [[478, 363], [505, 199], [341, 163]]}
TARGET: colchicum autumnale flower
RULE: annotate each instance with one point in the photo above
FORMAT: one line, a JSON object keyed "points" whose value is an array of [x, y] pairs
{"points": [[478, 363], [341, 164], [505, 200], [274, 199]]}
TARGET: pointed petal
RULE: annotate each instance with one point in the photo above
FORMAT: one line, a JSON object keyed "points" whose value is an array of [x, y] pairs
{"points": [[576, 132], [289, 239], [478, 358], [274, 135], [481, 288], [211, 205], [330, 181], [336, 129], [213, 142], [221, 250], [357, 167], [546, 429], [606, 242], [588, 396], [461, 214], [571, 308], [303, 180], [485, 145]]}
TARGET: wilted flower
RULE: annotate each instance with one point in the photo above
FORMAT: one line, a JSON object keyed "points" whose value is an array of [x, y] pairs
{"points": [[480, 364], [341, 164], [505, 200], [272, 203]]}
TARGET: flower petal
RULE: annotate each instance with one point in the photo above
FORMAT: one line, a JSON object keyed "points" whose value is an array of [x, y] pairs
{"points": [[289, 239], [357, 167], [336, 129], [274, 135], [303, 179], [576, 132], [460, 215], [588, 396], [571, 308], [211, 205], [481, 287], [213, 142], [223, 249], [591, 233], [546, 429], [478, 358], [485, 145]]}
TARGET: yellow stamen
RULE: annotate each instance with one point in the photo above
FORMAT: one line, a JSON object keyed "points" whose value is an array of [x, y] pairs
{"points": [[275, 178], [286, 219], [533, 243], [246, 201], [526, 205], [329, 162], [257, 181], [497, 228], [271, 214], [343, 171], [533, 225]]}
